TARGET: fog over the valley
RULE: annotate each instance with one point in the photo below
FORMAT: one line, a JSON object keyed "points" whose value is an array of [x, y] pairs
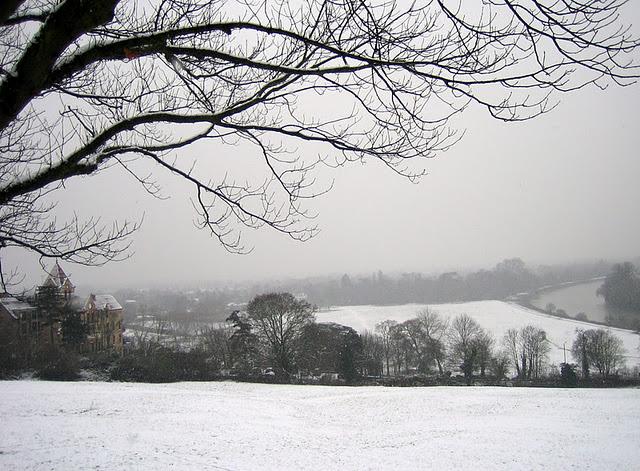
{"points": [[559, 188]]}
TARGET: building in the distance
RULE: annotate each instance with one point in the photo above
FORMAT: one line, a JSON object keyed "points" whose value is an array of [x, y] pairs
{"points": [[102, 314], [21, 328], [58, 282], [29, 325]]}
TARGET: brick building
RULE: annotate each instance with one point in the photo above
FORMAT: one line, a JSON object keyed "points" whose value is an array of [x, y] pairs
{"points": [[26, 326], [102, 315], [21, 328]]}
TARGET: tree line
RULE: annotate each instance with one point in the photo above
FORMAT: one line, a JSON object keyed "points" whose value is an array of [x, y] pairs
{"points": [[621, 288], [509, 277], [278, 338]]}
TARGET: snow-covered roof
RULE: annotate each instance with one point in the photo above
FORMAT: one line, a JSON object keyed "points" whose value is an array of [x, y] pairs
{"points": [[58, 278], [102, 301], [14, 306]]}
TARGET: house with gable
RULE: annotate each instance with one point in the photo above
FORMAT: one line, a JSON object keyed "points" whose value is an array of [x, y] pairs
{"points": [[21, 328], [28, 325], [102, 314], [58, 282]]}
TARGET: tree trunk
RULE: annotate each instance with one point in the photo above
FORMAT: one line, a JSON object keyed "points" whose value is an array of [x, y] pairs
{"points": [[440, 368]]}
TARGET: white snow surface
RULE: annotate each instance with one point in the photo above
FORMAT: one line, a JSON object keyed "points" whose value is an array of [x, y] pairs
{"points": [[241, 426], [495, 316]]}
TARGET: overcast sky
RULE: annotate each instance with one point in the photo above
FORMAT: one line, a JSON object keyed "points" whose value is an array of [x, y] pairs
{"points": [[560, 188]]}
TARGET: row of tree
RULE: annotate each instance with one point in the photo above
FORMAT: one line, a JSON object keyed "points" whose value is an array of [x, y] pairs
{"points": [[278, 334], [511, 276], [430, 343]]}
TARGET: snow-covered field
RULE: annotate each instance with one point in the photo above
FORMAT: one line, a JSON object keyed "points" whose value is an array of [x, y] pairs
{"points": [[234, 426], [495, 316]]}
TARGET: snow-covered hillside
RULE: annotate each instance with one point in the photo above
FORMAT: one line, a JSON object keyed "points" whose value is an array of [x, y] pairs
{"points": [[495, 316], [229, 426]]}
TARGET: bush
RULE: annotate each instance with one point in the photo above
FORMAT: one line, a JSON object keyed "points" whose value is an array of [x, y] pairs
{"points": [[155, 367], [12, 357], [561, 313], [100, 361], [568, 376], [163, 365], [54, 363], [581, 316]]}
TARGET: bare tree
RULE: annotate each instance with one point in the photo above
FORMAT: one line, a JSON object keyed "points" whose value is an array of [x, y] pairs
{"points": [[385, 330], [89, 85], [372, 354], [511, 343], [465, 337], [402, 351], [598, 348], [536, 349], [418, 343], [435, 329], [149, 334], [486, 342], [280, 318], [579, 350], [215, 342], [425, 335], [527, 349], [499, 365]]}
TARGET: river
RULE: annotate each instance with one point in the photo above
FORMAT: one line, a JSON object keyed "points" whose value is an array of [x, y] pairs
{"points": [[582, 298]]}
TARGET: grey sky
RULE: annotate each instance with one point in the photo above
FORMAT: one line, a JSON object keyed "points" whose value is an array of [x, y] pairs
{"points": [[559, 188]]}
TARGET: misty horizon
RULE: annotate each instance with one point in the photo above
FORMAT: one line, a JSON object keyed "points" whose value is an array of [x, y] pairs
{"points": [[87, 286]]}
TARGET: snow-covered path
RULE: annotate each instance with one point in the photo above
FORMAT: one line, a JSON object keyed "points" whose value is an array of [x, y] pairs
{"points": [[67, 426]]}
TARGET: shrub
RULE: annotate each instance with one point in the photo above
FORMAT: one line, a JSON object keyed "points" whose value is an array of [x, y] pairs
{"points": [[581, 316], [163, 365], [568, 376], [155, 367], [12, 355], [54, 363]]}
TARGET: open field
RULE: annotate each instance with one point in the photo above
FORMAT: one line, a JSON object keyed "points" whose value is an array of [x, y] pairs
{"points": [[236, 426], [495, 316]]}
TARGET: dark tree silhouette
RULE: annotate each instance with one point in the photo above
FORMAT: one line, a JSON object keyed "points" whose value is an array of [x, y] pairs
{"points": [[465, 338], [329, 347], [243, 343], [74, 329], [528, 350], [279, 320], [600, 349], [621, 288]]}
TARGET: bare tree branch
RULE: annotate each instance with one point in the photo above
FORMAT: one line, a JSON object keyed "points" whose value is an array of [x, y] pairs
{"points": [[87, 84]]}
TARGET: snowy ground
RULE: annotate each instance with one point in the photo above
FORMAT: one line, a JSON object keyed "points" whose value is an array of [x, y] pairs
{"points": [[228, 426], [495, 316]]}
